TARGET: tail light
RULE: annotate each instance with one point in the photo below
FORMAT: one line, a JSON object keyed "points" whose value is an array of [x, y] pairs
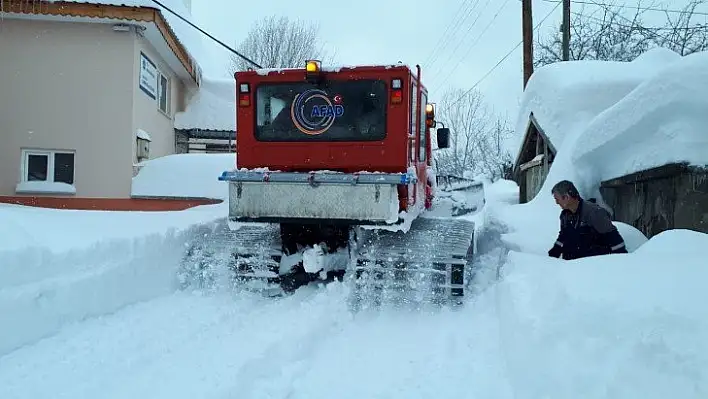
{"points": [[430, 115], [244, 95], [396, 91]]}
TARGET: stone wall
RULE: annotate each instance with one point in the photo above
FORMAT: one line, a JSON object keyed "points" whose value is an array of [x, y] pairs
{"points": [[673, 196]]}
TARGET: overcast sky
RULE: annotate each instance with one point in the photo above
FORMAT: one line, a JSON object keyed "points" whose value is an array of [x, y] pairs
{"points": [[456, 42]]}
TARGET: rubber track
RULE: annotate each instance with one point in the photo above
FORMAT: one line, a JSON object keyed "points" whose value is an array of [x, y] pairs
{"points": [[439, 249]]}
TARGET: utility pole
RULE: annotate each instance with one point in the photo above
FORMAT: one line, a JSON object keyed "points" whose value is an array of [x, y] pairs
{"points": [[527, 30], [566, 30]]}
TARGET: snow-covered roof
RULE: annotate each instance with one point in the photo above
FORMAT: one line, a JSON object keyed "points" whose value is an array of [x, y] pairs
{"points": [[212, 107], [664, 120], [601, 133], [566, 96]]}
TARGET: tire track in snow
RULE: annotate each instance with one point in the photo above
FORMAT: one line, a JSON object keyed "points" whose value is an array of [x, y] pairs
{"points": [[323, 316]]}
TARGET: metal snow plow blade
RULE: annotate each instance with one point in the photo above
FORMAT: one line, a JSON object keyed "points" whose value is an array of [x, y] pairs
{"points": [[364, 198]]}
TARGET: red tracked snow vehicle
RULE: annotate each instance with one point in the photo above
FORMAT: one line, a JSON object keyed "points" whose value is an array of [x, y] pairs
{"points": [[333, 168]]}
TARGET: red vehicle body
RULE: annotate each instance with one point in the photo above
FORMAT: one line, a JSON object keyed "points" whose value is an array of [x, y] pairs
{"points": [[322, 153], [365, 118]]}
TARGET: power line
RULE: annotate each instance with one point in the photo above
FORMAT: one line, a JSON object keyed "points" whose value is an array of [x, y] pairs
{"points": [[208, 35], [444, 45], [465, 34], [653, 28], [606, 6], [479, 37], [444, 34], [505, 57], [459, 13], [639, 27]]}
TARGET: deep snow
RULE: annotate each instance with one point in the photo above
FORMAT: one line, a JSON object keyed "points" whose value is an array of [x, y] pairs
{"points": [[107, 321]]}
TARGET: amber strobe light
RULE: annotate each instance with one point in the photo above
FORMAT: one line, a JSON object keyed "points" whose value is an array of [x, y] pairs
{"points": [[312, 70]]}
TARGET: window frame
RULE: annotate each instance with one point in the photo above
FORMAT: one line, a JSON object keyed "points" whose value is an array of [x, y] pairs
{"points": [[168, 93], [51, 160]]}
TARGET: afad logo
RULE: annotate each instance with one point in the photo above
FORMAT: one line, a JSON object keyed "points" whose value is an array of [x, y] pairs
{"points": [[322, 112]]}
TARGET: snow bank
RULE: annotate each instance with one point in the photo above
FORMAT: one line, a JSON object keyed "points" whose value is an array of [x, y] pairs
{"points": [[611, 326], [44, 287], [42, 292], [184, 175], [30, 231], [501, 192], [213, 107], [61, 266]]}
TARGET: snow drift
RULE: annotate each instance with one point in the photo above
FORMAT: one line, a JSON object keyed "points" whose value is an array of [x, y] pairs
{"points": [[62, 266], [613, 326], [184, 175], [81, 284]]}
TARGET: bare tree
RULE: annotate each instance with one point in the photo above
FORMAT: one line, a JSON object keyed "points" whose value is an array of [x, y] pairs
{"points": [[681, 34], [494, 158], [609, 34], [279, 43], [476, 141]]}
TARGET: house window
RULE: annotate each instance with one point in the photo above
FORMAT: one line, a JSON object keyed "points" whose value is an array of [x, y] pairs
{"points": [[48, 166], [163, 97]]}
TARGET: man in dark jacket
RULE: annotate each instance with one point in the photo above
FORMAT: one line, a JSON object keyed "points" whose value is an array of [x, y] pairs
{"points": [[585, 227]]}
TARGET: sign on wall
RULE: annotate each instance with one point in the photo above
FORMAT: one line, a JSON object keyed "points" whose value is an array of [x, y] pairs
{"points": [[148, 76]]}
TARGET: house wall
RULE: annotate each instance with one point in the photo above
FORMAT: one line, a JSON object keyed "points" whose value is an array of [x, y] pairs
{"points": [[671, 197], [535, 177], [146, 113], [65, 86]]}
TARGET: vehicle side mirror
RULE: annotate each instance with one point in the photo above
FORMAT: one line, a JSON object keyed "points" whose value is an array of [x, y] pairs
{"points": [[443, 138]]}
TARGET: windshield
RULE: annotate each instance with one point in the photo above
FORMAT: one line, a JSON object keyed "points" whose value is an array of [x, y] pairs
{"points": [[331, 111]]}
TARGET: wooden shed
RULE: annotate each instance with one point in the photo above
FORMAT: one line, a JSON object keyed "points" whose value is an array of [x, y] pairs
{"points": [[533, 161]]}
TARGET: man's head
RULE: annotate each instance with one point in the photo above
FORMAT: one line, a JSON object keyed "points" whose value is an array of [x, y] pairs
{"points": [[566, 195]]}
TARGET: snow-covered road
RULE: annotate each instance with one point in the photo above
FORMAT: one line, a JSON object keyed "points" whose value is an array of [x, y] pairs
{"points": [[305, 346]]}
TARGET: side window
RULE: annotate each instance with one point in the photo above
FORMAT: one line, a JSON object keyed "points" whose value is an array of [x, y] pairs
{"points": [[423, 131]]}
